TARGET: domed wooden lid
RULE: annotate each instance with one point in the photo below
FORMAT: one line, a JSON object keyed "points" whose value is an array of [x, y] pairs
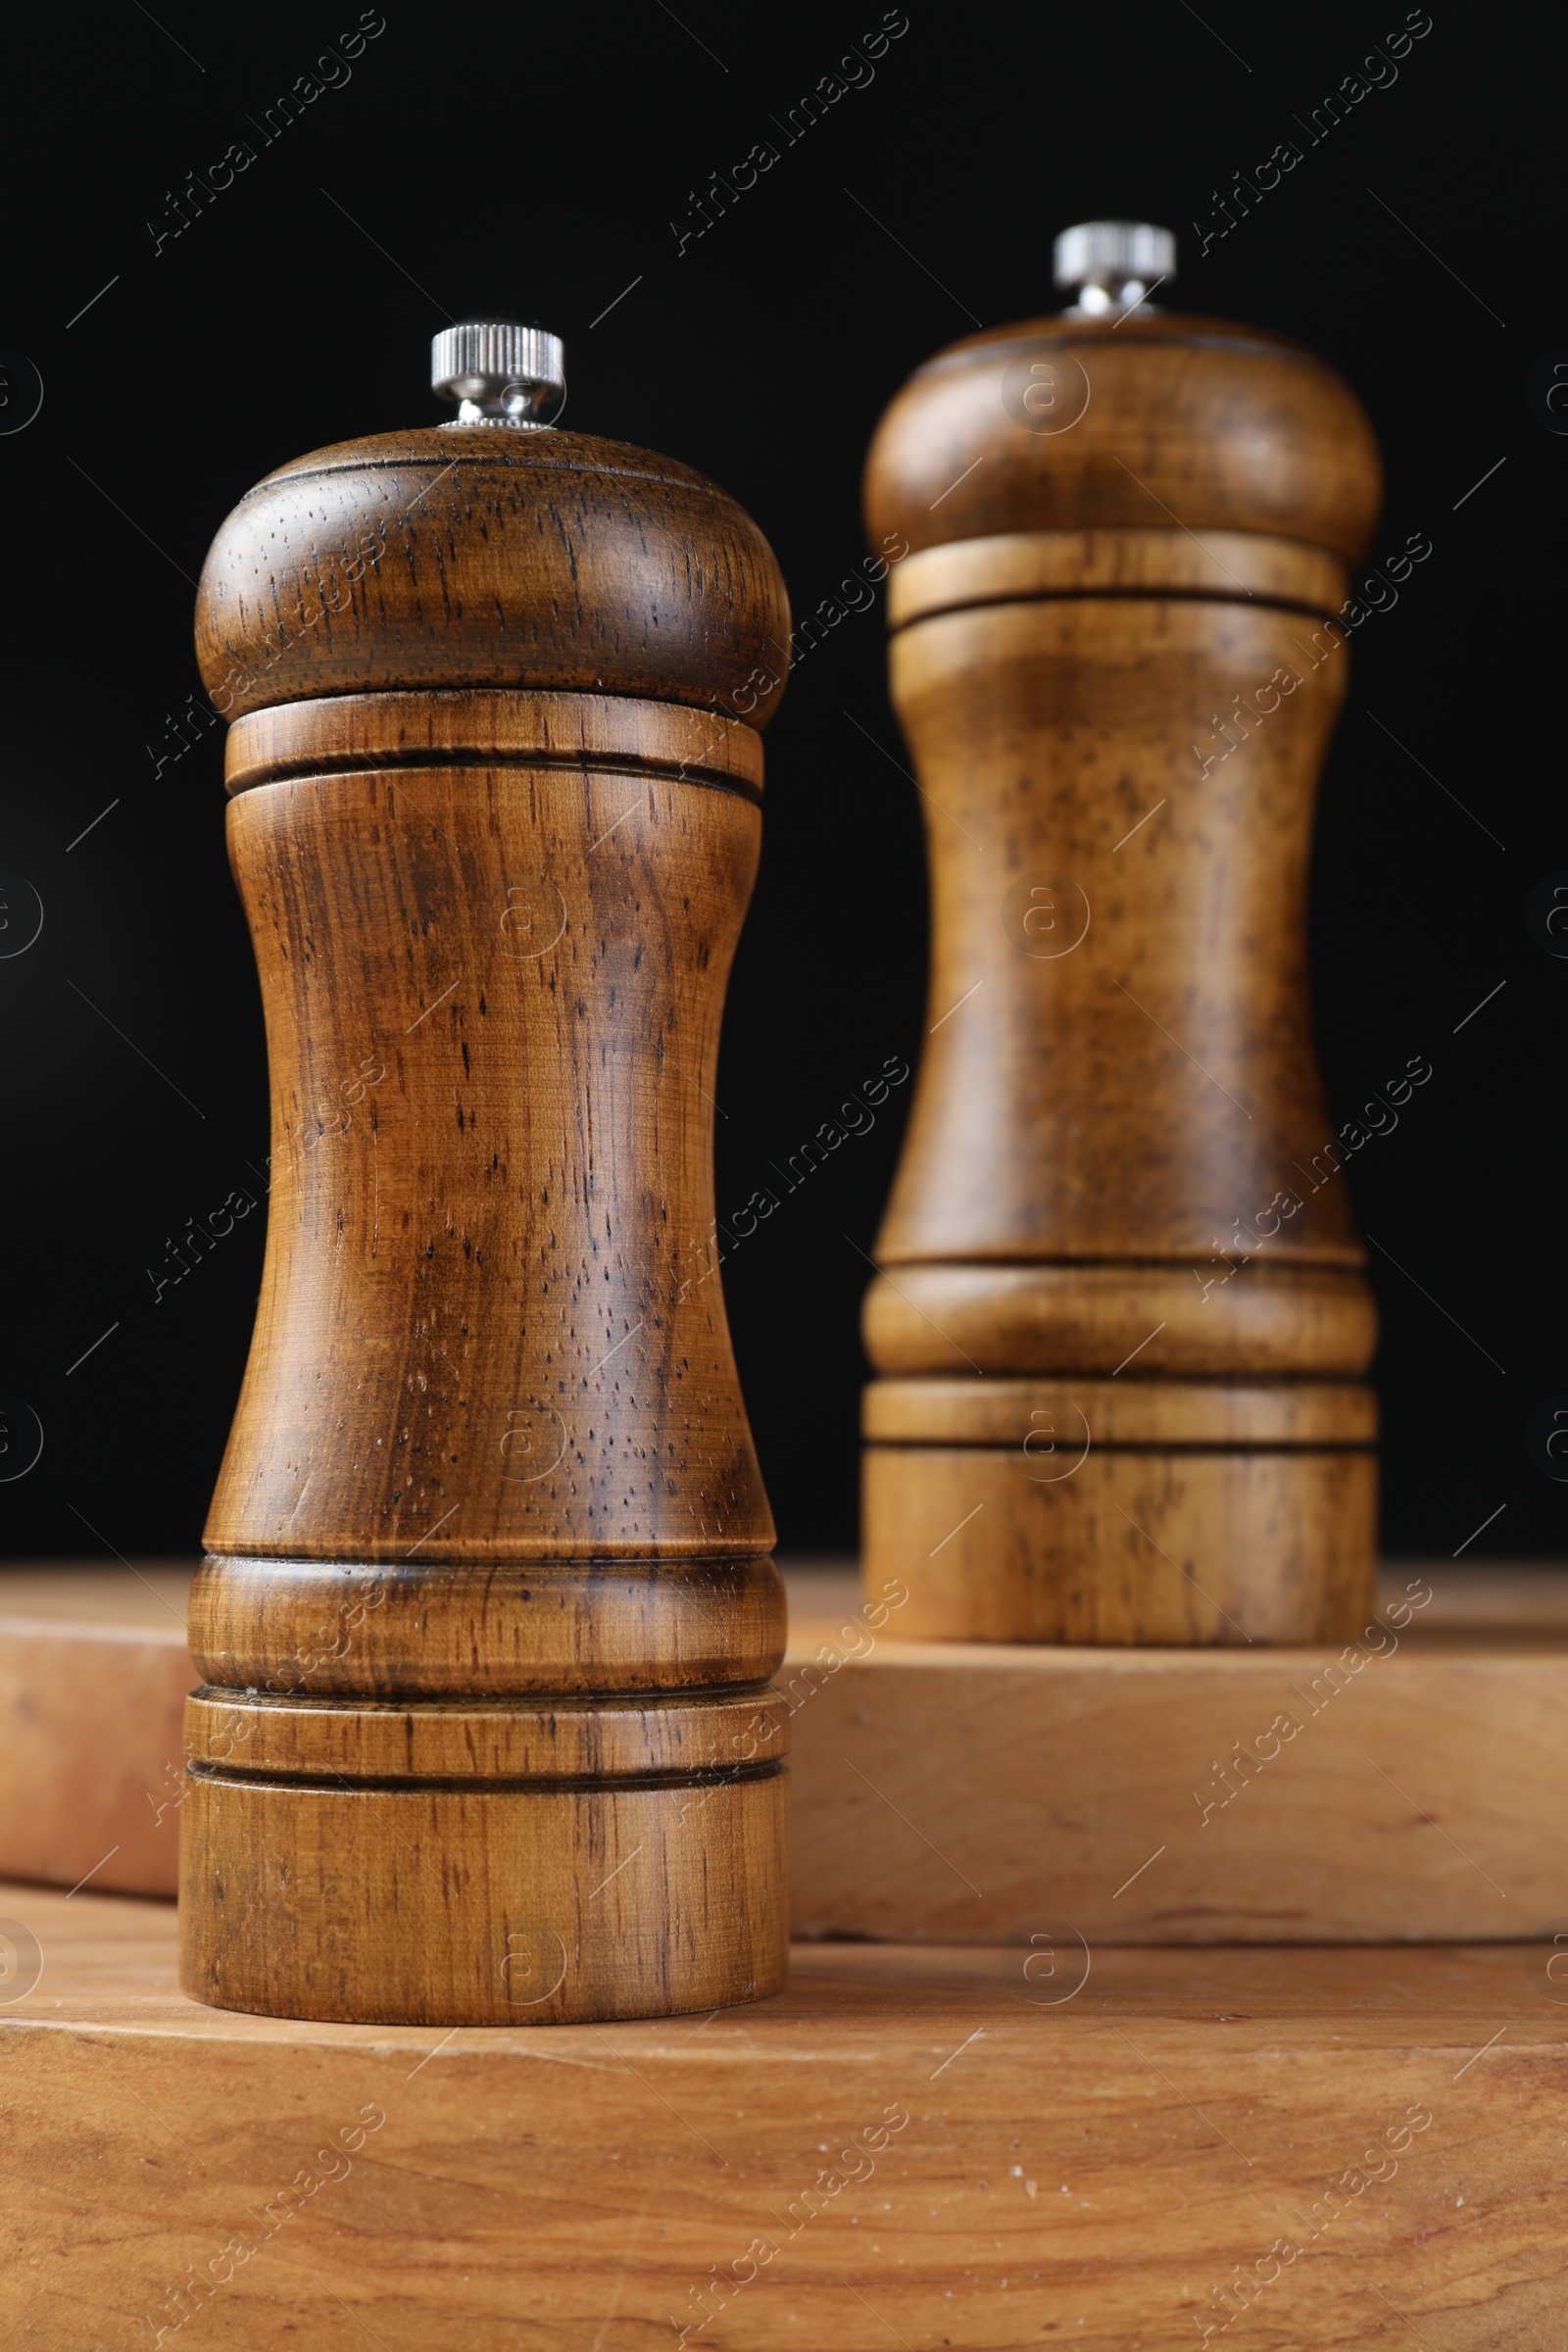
{"points": [[1147, 423], [489, 556]]}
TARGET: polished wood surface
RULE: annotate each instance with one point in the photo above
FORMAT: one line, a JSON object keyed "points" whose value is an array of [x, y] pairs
{"points": [[1058, 1419], [986, 2149], [446, 557], [1157, 1544], [413, 1903], [428, 1740], [574, 731], [1143, 1093], [495, 823], [1269, 1321], [1227, 427], [998, 570], [1115, 668], [282, 1626], [491, 1320]]}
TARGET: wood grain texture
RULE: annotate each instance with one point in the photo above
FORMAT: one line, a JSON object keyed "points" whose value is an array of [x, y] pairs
{"points": [[1127, 1544], [926, 2141], [1270, 1321], [1404, 1786], [1225, 426], [1145, 1091], [578, 731], [495, 827], [491, 1321], [1113, 668], [1033, 1768], [444, 558], [461, 1904], [1052, 1420], [294, 1626], [1011, 565], [437, 1740], [93, 1676], [1495, 1606]]}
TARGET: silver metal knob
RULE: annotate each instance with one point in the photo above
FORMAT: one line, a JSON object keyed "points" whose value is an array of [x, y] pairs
{"points": [[500, 372], [1113, 264]]}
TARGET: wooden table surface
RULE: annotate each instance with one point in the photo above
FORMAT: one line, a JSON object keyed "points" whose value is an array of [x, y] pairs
{"points": [[929, 2146]]}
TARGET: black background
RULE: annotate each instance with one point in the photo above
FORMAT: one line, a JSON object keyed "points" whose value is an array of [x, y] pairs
{"points": [[531, 163]]}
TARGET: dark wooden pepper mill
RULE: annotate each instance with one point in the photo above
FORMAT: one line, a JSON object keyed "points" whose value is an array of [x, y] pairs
{"points": [[1121, 1320], [488, 1615]]}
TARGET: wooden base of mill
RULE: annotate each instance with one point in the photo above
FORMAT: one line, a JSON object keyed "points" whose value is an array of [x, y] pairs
{"points": [[1140, 1512], [439, 1904], [563, 1843]]}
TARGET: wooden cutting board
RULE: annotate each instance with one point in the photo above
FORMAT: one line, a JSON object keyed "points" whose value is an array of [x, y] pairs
{"points": [[920, 2146]]}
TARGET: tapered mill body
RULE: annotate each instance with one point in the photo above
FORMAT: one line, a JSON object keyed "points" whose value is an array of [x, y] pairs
{"points": [[488, 1612], [1122, 1323]]}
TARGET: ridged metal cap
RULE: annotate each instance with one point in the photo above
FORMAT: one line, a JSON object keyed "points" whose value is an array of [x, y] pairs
{"points": [[1111, 264], [500, 372]]}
